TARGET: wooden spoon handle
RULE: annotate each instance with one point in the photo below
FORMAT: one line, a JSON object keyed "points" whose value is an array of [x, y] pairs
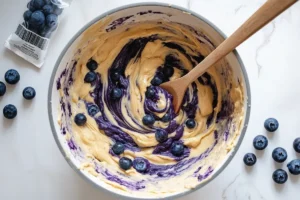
{"points": [[266, 13]]}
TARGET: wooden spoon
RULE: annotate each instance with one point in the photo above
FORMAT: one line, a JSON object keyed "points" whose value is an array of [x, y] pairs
{"points": [[266, 13]]}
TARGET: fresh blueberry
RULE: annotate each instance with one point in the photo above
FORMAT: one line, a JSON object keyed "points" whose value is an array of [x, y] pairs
{"points": [[37, 18], [30, 6], [80, 119], [90, 77], [118, 148], [48, 9], [2, 88], [51, 20], [116, 93], [125, 163], [38, 4], [271, 124], [177, 148], [12, 76], [27, 14], [190, 123], [47, 2], [156, 81], [161, 135], [46, 31], [150, 93], [168, 71], [260, 142], [249, 159], [115, 76], [296, 144], [29, 93], [10, 111], [141, 164], [279, 154], [148, 120], [294, 167], [93, 110], [166, 118], [280, 176], [92, 65]]}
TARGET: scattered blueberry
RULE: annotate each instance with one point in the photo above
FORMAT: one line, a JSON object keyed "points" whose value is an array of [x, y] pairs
{"points": [[168, 71], [249, 159], [161, 135], [294, 167], [190, 123], [80, 119], [37, 4], [115, 76], [118, 148], [27, 14], [48, 9], [2, 88], [92, 65], [12, 76], [29, 93], [125, 163], [271, 124], [296, 144], [148, 120], [279, 154], [37, 18], [166, 118], [90, 77], [10, 111], [140, 164], [156, 81], [93, 110], [116, 93], [177, 148], [280, 176], [260, 142], [51, 20], [150, 93]]}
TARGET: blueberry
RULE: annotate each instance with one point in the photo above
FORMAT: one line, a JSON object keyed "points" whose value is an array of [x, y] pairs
{"points": [[30, 6], [37, 18], [48, 9], [150, 93], [46, 31], [296, 144], [10, 111], [115, 76], [2, 88], [280, 176], [294, 167], [116, 93], [80, 119], [279, 154], [118, 148], [148, 120], [51, 20], [141, 164], [166, 118], [12, 76], [177, 148], [161, 135], [125, 163], [271, 124], [27, 14], [156, 81], [249, 159], [190, 123], [29, 93], [47, 2], [38, 4], [93, 110], [92, 65], [168, 71], [260, 142], [90, 77]]}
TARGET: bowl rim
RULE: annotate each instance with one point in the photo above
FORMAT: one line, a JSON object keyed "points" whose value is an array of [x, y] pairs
{"points": [[52, 81]]}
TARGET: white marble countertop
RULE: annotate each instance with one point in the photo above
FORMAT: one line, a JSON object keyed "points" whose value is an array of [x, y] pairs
{"points": [[33, 168]]}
